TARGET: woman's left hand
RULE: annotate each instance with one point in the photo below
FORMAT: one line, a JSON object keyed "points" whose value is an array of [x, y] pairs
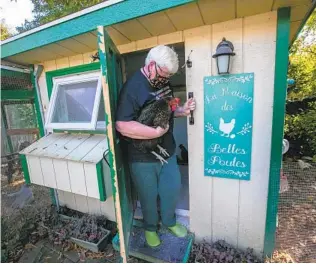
{"points": [[189, 106]]}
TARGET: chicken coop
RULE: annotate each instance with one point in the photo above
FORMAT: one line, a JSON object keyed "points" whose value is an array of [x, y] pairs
{"points": [[233, 60], [19, 121]]}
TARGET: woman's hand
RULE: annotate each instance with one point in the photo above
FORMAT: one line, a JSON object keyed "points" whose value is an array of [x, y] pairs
{"points": [[161, 131], [186, 108]]}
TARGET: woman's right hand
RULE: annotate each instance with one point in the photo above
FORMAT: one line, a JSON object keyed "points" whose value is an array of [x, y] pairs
{"points": [[161, 131]]}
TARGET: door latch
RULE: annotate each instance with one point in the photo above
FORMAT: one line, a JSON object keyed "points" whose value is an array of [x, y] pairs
{"points": [[191, 119]]}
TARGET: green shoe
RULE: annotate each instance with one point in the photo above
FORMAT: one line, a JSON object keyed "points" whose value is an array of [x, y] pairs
{"points": [[179, 230], [152, 238]]}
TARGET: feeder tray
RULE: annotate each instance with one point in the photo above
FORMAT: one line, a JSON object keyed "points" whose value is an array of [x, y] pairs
{"points": [[94, 247]]}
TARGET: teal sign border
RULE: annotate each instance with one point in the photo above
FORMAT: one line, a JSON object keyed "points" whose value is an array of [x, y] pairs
{"points": [[228, 121]]}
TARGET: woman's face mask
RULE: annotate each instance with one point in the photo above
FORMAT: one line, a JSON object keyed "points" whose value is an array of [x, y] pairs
{"points": [[158, 81]]}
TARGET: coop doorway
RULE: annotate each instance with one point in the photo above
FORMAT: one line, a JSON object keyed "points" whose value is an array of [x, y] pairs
{"points": [[133, 62]]}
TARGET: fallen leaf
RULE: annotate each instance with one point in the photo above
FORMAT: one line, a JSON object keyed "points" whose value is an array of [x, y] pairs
{"points": [[29, 245]]}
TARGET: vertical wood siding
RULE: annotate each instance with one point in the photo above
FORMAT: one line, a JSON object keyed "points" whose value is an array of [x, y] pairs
{"points": [[223, 208]]}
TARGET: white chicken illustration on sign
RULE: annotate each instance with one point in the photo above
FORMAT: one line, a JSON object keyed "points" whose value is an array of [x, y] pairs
{"points": [[227, 128]]}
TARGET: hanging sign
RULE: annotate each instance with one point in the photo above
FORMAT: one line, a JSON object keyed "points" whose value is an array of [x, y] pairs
{"points": [[228, 112]]}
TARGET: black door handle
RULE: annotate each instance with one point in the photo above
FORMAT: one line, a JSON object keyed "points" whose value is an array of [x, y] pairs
{"points": [[191, 119]]}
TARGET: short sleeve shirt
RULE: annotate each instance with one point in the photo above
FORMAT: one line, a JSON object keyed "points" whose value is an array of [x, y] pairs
{"points": [[134, 96]]}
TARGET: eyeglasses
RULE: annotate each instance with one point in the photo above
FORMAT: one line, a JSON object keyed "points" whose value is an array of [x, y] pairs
{"points": [[166, 74]]}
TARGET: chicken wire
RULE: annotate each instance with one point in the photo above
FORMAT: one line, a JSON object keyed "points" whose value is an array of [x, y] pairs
{"points": [[13, 80], [296, 227]]}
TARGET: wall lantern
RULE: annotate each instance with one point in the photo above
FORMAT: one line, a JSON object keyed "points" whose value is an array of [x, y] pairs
{"points": [[223, 53]]}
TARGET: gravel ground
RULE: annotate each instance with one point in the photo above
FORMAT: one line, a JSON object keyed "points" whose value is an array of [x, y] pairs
{"points": [[18, 224]]}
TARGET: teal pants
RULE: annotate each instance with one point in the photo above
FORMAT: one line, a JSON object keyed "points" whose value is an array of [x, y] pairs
{"points": [[152, 180]]}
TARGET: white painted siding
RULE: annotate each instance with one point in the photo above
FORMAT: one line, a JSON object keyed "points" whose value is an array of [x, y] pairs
{"points": [[86, 204], [68, 162], [224, 208]]}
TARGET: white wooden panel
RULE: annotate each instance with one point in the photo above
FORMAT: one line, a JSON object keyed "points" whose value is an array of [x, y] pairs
{"points": [[42, 144], [171, 38], [39, 143], [107, 209], [87, 39], [62, 175], [259, 35], [44, 93], [157, 23], [200, 186], [55, 146], [132, 30], [68, 200], [48, 172], [126, 48], [62, 63], [35, 170], [76, 60], [251, 7], [94, 206], [77, 178], [49, 144], [185, 16], [217, 10], [71, 145], [82, 203], [284, 3], [91, 179], [117, 37], [226, 191], [96, 154], [49, 65], [146, 43], [298, 12], [85, 147], [62, 51], [74, 45], [61, 199]]}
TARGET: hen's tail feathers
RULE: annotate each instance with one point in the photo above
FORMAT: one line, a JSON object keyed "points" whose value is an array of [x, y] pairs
{"points": [[161, 159], [163, 151]]}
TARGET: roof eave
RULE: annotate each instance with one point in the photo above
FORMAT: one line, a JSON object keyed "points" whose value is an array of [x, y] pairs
{"points": [[85, 22], [308, 14]]}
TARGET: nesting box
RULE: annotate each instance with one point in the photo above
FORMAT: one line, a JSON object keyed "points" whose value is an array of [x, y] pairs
{"points": [[71, 163]]}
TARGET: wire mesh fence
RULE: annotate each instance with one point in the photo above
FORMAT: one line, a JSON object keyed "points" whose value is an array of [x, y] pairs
{"points": [[296, 230]]}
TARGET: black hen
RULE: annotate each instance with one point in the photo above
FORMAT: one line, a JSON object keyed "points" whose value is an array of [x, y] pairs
{"points": [[155, 114]]}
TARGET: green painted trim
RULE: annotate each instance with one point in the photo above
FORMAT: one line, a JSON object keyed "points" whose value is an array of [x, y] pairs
{"points": [[107, 16], [308, 14], [101, 181], [5, 123], [52, 196], [67, 71], [280, 86], [25, 169], [17, 95], [94, 132], [188, 251], [37, 106]]}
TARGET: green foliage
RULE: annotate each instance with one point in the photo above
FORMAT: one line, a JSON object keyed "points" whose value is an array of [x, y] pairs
{"points": [[48, 10], [300, 128], [21, 116]]}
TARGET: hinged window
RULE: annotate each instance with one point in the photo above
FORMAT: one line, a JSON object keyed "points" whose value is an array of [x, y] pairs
{"points": [[75, 102]]}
